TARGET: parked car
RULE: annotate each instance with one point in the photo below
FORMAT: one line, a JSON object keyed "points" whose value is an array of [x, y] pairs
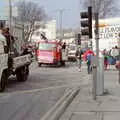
{"points": [[71, 52]]}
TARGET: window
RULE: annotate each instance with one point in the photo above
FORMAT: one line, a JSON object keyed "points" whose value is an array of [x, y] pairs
{"points": [[46, 46]]}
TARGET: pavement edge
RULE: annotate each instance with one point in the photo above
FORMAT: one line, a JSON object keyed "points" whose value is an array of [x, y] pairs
{"points": [[59, 108]]}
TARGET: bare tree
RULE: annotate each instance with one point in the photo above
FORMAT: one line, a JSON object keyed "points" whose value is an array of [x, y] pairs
{"points": [[105, 8], [29, 13]]}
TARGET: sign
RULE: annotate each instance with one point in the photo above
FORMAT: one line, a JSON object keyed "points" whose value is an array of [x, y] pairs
{"points": [[109, 32]]}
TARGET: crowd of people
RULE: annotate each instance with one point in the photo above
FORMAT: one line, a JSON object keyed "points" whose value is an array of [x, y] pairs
{"points": [[110, 57]]}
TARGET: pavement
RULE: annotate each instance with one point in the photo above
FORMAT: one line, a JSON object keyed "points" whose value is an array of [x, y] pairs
{"points": [[105, 107]]}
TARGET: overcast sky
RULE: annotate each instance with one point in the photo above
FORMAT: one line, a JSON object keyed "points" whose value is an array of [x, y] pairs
{"points": [[71, 11], [71, 15]]}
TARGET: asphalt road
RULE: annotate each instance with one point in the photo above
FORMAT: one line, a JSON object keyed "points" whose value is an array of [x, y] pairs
{"points": [[30, 100], [47, 77]]}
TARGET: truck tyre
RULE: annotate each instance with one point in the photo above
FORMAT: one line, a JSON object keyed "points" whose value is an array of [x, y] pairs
{"points": [[39, 64], [3, 81], [22, 74], [58, 64], [63, 63]]}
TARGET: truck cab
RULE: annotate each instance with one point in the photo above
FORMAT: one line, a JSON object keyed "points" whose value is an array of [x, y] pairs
{"points": [[50, 52]]}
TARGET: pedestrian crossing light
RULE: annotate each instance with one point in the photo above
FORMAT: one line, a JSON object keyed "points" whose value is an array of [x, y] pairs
{"points": [[86, 23]]}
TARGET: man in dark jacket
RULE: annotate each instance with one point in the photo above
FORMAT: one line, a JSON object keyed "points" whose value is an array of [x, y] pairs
{"points": [[78, 55], [9, 40]]}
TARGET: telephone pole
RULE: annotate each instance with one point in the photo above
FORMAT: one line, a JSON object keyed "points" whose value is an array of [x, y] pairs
{"points": [[10, 22], [61, 12], [10, 15]]}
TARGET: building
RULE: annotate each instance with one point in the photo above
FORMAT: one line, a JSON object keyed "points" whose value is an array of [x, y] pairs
{"points": [[68, 35]]}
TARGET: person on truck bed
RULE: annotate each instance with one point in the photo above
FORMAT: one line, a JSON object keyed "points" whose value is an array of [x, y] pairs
{"points": [[9, 39], [2, 41]]}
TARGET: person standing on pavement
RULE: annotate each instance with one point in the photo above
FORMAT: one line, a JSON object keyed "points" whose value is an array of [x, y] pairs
{"points": [[115, 53], [88, 57], [64, 46], [78, 55], [105, 54]]}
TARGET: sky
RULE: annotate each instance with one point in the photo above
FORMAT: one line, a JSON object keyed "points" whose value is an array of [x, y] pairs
{"points": [[71, 14]]}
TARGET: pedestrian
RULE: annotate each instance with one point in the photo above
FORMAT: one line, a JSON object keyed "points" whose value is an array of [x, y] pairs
{"points": [[64, 46], [78, 55], [115, 53], [105, 62], [88, 57], [105, 54]]}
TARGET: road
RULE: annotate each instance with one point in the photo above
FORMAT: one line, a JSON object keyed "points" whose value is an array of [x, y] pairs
{"points": [[30, 100], [48, 77]]}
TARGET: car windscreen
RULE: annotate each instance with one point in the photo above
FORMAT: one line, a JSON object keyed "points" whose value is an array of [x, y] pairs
{"points": [[46, 46]]}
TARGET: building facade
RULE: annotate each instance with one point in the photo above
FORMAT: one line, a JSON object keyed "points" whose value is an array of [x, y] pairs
{"points": [[68, 35]]}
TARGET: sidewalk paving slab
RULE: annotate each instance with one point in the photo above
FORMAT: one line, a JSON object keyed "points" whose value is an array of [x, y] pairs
{"points": [[86, 116], [106, 107]]}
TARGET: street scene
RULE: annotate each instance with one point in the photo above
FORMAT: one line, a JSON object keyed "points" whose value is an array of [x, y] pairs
{"points": [[59, 60]]}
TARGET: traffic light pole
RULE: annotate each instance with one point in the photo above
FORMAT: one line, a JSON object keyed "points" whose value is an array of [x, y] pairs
{"points": [[10, 22], [100, 66], [97, 35]]}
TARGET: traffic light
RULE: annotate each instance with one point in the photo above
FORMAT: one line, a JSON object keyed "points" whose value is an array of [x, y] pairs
{"points": [[2, 23], [79, 39], [86, 22]]}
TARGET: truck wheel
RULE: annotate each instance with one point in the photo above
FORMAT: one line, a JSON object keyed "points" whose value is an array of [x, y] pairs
{"points": [[63, 63], [22, 74], [3, 81], [58, 64], [39, 64]]}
